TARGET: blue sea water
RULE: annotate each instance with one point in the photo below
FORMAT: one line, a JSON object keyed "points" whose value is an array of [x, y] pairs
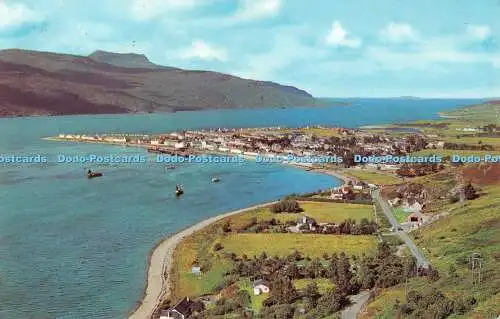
{"points": [[76, 248]]}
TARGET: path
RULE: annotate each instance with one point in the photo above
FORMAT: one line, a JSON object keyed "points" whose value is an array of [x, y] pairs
{"points": [[358, 302], [387, 210]]}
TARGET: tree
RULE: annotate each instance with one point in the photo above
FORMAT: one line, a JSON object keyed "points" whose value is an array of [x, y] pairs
{"points": [[226, 227], [282, 291], [470, 192], [311, 293], [315, 269]]}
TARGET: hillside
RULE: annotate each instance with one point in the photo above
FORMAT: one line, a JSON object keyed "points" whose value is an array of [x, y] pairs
{"points": [[43, 83]]}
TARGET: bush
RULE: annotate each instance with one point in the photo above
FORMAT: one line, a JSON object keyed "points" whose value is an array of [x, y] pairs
{"points": [[286, 205], [218, 247]]}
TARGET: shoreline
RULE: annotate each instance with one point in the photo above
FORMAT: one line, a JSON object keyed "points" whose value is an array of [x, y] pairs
{"points": [[161, 255], [160, 264]]}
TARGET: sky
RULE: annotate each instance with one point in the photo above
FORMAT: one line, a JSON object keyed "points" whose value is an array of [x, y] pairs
{"points": [[330, 48]]}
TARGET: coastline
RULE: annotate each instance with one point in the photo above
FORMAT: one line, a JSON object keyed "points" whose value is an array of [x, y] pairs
{"points": [[160, 264], [161, 255]]}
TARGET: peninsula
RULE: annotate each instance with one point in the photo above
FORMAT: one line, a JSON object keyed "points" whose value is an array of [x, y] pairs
{"points": [[44, 83]]}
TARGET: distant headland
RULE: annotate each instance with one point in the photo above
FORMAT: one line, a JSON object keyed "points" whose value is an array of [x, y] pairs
{"points": [[45, 83]]}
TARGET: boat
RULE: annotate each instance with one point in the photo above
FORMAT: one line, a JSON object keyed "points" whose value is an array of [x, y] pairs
{"points": [[178, 190], [92, 175], [169, 167], [215, 180]]}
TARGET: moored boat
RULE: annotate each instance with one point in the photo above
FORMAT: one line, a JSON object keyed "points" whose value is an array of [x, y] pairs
{"points": [[91, 174], [178, 190]]}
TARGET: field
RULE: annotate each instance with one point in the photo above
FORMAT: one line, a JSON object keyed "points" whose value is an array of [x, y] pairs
{"points": [[400, 215], [444, 153], [320, 211], [312, 245], [198, 247], [322, 283], [374, 177]]}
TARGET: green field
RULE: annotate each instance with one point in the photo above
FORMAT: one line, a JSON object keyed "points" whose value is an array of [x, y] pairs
{"points": [[199, 246], [322, 283], [322, 212], [256, 301], [374, 177], [444, 153], [400, 215], [312, 245]]}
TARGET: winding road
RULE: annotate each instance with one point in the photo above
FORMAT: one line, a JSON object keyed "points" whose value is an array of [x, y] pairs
{"points": [[387, 210]]}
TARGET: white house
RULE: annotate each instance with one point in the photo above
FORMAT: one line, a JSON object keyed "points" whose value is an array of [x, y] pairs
{"points": [[179, 145], [260, 287], [358, 187]]}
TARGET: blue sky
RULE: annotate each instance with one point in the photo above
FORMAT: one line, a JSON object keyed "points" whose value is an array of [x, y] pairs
{"points": [[427, 48]]}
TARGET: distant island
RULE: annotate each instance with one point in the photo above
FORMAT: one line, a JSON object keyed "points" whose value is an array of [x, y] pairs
{"points": [[44, 83]]}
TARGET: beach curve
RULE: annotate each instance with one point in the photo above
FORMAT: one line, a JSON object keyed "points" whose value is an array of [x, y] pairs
{"points": [[160, 259], [157, 285]]}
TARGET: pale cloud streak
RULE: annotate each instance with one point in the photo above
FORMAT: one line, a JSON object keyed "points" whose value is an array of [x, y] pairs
{"points": [[480, 32], [399, 32], [15, 14], [257, 9], [338, 36], [201, 50]]}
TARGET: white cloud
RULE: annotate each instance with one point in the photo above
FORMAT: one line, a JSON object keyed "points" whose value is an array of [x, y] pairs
{"points": [[256, 9], [203, 51], [399, 32], [480, 32], [150, 9], [339, 37], [15, 14]]}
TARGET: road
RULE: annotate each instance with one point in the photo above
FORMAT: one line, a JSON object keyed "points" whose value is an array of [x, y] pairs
{"points": [[357, 303], [387, 210]]}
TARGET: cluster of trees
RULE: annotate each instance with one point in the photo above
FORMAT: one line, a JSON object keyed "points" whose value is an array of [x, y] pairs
{"points": [[349, 227], [286, 206], [469, 191], [348, 274], [419, 169], [433, 304], [415, 143]]}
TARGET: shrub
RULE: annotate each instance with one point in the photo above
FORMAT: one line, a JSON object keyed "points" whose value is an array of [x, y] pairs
{"points": [[286, 205], [218, 247]]}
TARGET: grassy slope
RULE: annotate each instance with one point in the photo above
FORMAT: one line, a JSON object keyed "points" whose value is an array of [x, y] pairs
{"points": [[313, 245], [450, 241], [374, 177], [199, 246]]}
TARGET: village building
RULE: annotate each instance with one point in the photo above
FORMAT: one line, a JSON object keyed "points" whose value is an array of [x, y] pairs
{"points": [[260, 287], [182, 310], [306, 222]]}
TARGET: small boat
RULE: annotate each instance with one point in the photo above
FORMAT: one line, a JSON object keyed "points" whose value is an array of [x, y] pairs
{"points": [[169, 167], [92, 175], [178, 190], [215, 180]]}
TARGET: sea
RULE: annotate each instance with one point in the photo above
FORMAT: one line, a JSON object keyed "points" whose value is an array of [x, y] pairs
{"points": [[71, 247]]}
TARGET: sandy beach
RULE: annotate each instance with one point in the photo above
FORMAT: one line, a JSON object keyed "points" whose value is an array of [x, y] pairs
{"points": [[157, 284], [160, 263]]}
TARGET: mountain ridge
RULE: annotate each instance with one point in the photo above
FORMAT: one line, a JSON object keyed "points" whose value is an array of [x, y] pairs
{"points": [[48, 83]]}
